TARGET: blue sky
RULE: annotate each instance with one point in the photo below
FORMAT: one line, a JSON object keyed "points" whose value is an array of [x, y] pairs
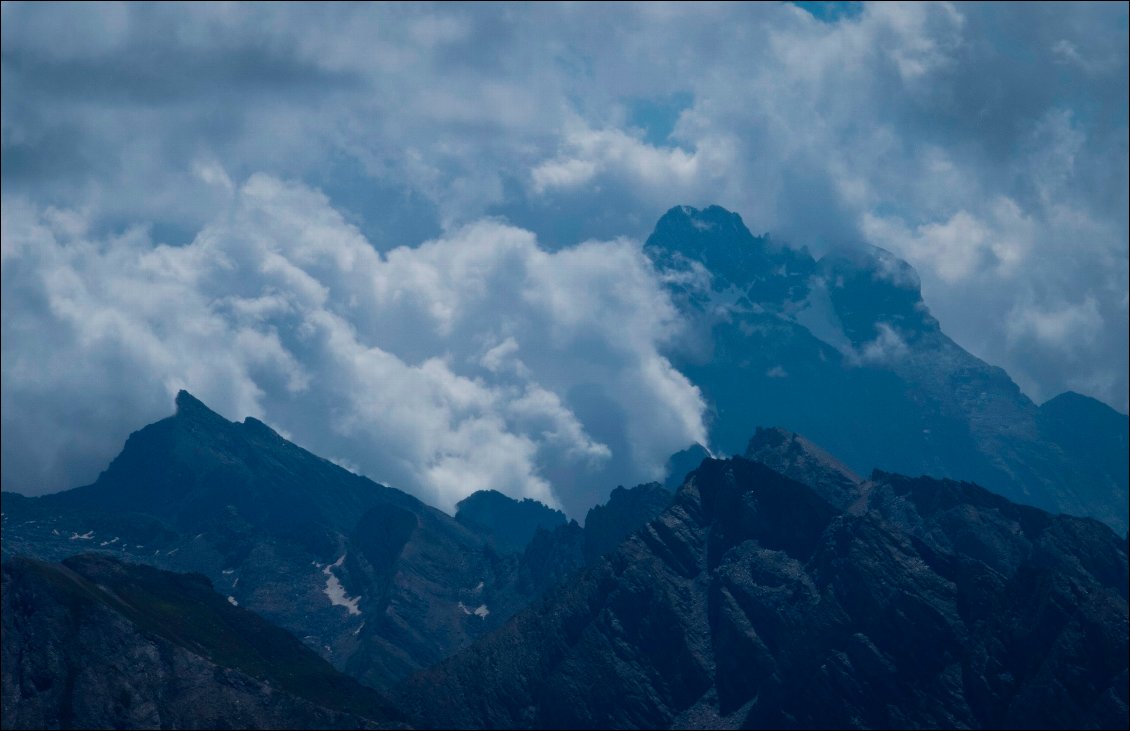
{"points": [[146, 148]]}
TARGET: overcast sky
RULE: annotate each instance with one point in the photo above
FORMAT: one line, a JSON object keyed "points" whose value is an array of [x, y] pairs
{"points": [[363, 223]]}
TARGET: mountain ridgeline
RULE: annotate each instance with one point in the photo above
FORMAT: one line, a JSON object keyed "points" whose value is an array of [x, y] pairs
{"points": [[754, 601], [377, 582], [776, 589], [215, 574], [373, 579]]}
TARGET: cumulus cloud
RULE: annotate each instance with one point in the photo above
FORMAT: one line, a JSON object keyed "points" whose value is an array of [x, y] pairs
{"points": [[612, 152], [985, 143], [963, 245], [887, 347], [474, 361]]}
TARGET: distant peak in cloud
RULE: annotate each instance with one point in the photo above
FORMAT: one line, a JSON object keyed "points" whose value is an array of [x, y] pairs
{"points": [[188, 406]]}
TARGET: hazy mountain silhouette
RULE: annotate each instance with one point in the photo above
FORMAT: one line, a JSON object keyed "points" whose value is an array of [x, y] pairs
{"points": [[845, 351]]}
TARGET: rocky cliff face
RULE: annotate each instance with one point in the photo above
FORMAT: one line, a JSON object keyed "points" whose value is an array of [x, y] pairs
{"points": [[753, 601], [845, 351], [627, 510], [93, 643]]}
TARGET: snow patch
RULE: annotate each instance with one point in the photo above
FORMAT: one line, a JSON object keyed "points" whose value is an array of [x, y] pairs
{"points": [[818, 315], [480, 611], [232, 601], [226, 572], [110, 542], [336, 592], [84, 537]]}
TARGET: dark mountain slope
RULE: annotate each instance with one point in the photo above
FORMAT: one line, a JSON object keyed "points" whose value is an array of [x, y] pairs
{"points": [[377, 582], [508, 523], [683, 462], [94, 643], [753, 602], [374, 580], [627, 510], [794, 456]]}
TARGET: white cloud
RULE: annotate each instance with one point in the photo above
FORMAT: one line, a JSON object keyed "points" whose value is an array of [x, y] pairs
{"points": [[887, 347], [589, 153], [961, 246], [985, 143], [405, 366], [1063, 327]]}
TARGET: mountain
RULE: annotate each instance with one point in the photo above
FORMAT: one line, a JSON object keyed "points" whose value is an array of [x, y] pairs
{"points": [[845, 351], [95, 643], [377, 582], [627, 510], [754, 602], [682, 462], [374, 580], [796, 457], [508, 523]]}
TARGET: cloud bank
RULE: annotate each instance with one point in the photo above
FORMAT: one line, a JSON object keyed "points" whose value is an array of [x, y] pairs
{"points": [[985, 143], [474, 361]]}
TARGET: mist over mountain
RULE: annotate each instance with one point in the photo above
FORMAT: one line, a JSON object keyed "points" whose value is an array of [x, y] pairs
{"points": [[845, 351], [480, 360]]}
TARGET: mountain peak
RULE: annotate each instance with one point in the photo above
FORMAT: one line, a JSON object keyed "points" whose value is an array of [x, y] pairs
{"points": [[799, 459], [704, 219], [686, 239], [682, 462], [507, 523], [190, 407]]}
